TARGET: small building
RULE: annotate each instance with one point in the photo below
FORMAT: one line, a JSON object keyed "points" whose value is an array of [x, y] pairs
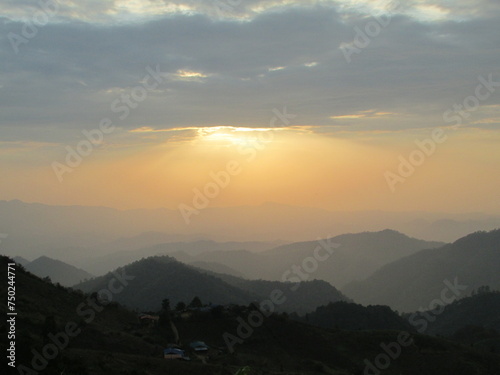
{"points": [[174, 353], [199, 346]]}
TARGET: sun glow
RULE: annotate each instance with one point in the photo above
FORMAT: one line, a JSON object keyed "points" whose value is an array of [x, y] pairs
{"points": [[230, 135]]}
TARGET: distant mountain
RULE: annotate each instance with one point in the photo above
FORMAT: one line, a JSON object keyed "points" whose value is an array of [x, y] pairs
{"points": [[212, 266], [250, 265], [69, 232], [160, 277], [353, 257], [20, 260], [415, 281], [184, 251], [351, 316], [480, 310], [148, 239], [473, 321], [302, 300], [107, 339], [49, 309], [157, 278], [299, 298], [59, 272]]}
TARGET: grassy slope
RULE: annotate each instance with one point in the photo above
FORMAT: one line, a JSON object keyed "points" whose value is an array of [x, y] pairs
{"points": [[114, 344]]}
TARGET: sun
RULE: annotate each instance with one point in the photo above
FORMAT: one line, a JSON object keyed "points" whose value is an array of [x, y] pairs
{"points": [[233, 136]]}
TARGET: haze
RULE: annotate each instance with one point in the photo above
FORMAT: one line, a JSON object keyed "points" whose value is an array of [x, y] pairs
{"points": [[287, 89]]}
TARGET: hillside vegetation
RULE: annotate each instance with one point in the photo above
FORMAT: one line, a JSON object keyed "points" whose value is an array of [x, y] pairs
{"points": [[155, 278], [112, 341], [413, 282]]}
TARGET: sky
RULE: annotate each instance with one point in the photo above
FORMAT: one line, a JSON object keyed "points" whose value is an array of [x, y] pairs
{"points": [[343, 105]]}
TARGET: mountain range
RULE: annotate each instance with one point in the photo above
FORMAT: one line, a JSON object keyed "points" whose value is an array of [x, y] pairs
{"points": [[58, 271], [351, 257], [380, 268], [186, 252], [71, 233], [109, 339], [156, 278], [338, 260], [444, 274]]}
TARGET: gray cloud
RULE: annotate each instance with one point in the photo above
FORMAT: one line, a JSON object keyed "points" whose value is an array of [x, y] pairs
{"points": [[67, 76]]}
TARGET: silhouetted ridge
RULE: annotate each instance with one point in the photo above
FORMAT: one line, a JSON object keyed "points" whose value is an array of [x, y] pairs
{"points": [[413, 282], [351, 316]]}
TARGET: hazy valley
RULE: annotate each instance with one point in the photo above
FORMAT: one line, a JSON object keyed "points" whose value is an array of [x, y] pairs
{"points": [[356, 288]]}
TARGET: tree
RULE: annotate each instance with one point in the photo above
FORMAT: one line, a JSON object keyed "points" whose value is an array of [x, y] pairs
{"points": [[180, 306], [96, 298], [165, 319], [484, 289], [196, 303], [165, 304]]}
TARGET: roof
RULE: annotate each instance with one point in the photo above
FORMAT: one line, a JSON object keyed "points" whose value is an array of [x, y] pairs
{"points": [[198, 345], [173, 351]]}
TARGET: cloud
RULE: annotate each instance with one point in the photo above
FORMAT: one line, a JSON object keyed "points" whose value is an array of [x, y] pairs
{"points": [[369, 114], [233, 70]]}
